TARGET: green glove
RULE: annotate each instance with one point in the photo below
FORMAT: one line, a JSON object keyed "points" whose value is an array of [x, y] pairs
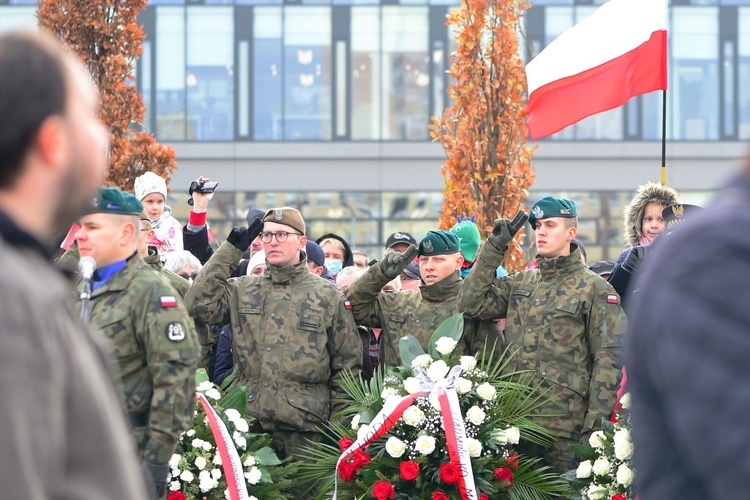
{"points": [[505, 229], [394, 263]]}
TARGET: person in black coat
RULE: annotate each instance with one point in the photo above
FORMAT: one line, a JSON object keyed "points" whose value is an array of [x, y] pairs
{"points": [[687, 356]]}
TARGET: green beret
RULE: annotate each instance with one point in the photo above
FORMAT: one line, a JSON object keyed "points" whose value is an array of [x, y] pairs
{"points": [[469, 238], [113, 201], [551, 207], [439, 243]]}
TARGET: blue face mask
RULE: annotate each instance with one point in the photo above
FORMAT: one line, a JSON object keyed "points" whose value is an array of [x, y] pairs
{"points": [[334, 266]]}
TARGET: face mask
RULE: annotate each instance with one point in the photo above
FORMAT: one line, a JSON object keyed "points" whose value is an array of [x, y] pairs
{"points": [[334, 266]]}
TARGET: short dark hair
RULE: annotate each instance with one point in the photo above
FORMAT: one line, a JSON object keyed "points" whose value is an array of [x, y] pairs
{"points": [[33, 87]]}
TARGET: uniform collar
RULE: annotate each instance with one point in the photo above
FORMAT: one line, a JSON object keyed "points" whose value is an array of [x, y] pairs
{"points": [[561, 265], [119, 279], [443, 289], [287, 274], [153, 258]]}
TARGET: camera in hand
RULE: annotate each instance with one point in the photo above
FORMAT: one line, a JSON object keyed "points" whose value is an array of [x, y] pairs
{"points": [[201, 187]]}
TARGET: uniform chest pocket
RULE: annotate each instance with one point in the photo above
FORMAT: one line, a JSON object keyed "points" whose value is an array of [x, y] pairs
{"points": [[310, 320], [567, 305]]}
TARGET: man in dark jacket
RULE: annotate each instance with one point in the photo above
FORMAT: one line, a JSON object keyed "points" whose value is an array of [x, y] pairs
{"points": [[686, 354]]}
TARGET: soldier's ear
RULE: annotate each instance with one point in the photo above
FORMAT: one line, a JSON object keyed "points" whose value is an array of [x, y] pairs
{"points": [[302, 242]]}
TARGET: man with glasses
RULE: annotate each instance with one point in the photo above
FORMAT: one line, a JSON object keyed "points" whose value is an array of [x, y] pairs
{"points": [[292, 332]]}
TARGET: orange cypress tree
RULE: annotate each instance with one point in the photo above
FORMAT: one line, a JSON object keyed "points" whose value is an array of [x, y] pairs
{"points": [[106, 35], [488, 166]]}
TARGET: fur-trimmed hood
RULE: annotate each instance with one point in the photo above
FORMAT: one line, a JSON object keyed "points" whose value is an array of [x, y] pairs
{"points": [[651, 192]]}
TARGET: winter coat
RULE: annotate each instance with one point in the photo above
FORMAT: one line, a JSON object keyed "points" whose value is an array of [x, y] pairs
{"points": [[632, 214]]}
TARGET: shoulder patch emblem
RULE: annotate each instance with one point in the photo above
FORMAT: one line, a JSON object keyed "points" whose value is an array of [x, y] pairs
{"points": [[612, 299], [348, 305], [168, 301], [537, 212], [175, 332]]}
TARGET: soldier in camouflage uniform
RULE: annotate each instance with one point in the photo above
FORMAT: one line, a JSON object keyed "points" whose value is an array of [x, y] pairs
{"points": [[565, 319], [417, 313], [292, 332], [147, 328]]}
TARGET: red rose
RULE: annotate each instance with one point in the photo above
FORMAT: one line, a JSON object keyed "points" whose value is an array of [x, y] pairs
{"points": [[484, 496], [361, 459], [449, 473], [347, 471], [512, 460], [504, 474], [619, 496], [176, 495], [345, 443], [383, 490], [439, 495], [409, 470]]}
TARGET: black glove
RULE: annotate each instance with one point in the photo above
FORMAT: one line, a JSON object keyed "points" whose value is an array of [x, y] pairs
{"points": [[156, 472], [241, 237], [505, 229], [635, 258], [394, 263]]}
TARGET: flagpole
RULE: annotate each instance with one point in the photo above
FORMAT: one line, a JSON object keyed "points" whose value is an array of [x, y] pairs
{"points": [[664, 138]]}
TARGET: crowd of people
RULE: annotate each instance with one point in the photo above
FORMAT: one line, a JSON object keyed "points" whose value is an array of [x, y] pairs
{"points": [[99, 369]]}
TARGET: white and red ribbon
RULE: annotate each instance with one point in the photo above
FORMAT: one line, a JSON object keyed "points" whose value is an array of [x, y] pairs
{"points": [[443, 396], [230, 459]]}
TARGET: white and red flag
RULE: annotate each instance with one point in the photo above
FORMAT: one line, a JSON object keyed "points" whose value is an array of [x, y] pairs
{"points": [[619, 52]]}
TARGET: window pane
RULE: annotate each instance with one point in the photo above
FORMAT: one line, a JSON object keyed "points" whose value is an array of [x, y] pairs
{"points": [[170, 73], [307, 73], [365, 72], [210, 80], [743, 73], [267, 66], [406, 74]]}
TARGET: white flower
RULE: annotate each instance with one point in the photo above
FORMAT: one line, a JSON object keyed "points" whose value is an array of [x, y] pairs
{"points": [[213, 394], [174, 461], [204, 386], [253, 476], [624, 450], [207, 446], [499, 437], [388, 392], [197, 443], [421, 361], [253, 498], [474, 447], [411, 385], [468, 363], [425, 445], [601, 466], [625, 401], [240, 441], [217, 459], [445, 345], [438, 370], [232, 414], [624, 475], [475, 415], [249, 461], [584, 470], [190, 433], [596, 492], [204, 474], [226, 494], [486, 391], [174, 474], [395, 447], [216, 474], [241, 425], [413, 416], [363, 431], [622, 436], [513, 435], [207, 484], [200, 462], [355, 421], [187, 476], [462, 385], [597, 439], [175, 486]]}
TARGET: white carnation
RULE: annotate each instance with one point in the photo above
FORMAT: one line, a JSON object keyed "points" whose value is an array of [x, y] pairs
{"points": [[207, 446], [355, 421], [413, 416], [213, 394], [624, 450], [241, 425], [475, 415], [217, 459], [232, 414], [388, 392], [190, 433], [197, 443], [462, 385], [438, 370], [425, 445], [200, 462], [625, 401], [445, 345], [216, 474], [207, 484], [486, 391], [624, 475], [584, 470], [601, 466], [187, 476], [239, 440], [421, 361], [468, 363], [174, 461], [596, 492], [411, 385], [204, 386], [395, 447], [474, 447], [204, 474], [253, 475], [249, 461], [597, 439], [175, 486]]}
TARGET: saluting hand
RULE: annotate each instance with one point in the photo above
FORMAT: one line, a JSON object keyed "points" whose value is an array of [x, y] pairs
{"points": [[505, 229], [394, 262]]}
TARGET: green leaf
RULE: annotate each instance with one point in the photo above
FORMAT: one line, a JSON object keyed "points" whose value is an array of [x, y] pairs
{"points": [[585, 452], [266, 456], [409, 348], [201, 376], [236, 399], [452, 327]]}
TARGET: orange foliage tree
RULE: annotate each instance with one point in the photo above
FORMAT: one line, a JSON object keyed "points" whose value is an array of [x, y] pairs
{"points": [[488, 168], [106, 35]]}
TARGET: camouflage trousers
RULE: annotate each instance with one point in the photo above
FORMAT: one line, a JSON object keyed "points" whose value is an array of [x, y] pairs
{"points": [[559, 456]]}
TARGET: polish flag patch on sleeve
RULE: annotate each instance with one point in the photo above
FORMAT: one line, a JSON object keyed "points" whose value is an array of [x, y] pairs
{"points": [[612, 299], [348, 305], [168, 301]]}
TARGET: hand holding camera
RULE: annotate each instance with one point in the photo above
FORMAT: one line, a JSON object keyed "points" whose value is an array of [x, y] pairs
{"points": [[201, 191]]}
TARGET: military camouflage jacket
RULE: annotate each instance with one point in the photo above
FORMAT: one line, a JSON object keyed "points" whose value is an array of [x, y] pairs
{"points": [[415, 313], [292, 336], [567, 322], [149, 333]]}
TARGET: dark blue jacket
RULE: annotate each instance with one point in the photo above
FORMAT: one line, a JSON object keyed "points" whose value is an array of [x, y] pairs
{"points": [[224, 362]]}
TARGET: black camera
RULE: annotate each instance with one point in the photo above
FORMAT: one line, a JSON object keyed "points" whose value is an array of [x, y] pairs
{"points": [[201, 187]]}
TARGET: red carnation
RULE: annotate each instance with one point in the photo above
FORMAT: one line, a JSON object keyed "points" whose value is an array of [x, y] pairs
{"points": [[383, 490], [619, 496], [484, 496], [409, 470], [439, 495], [449, 473], [361, 459], [176, 495], [504, 474], [347, 471], [345, 443], [512, 461]]}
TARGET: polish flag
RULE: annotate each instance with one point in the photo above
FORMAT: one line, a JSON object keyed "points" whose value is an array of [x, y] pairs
{"points": [[617, 53]]}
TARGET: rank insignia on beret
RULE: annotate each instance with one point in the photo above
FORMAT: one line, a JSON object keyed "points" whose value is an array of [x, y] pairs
{"points": [[278, 214], [538, 212], [612, 299], [175, 332], [168, 301], [428, 248], [348, 305], [564, 211]]}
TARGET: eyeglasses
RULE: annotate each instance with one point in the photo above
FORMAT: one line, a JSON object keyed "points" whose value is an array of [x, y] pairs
{"points": [[189, 277], [281, 236]]}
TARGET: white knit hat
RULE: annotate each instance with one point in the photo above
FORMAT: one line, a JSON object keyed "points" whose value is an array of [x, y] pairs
{"points": [[150, 183], [257, 259]]}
